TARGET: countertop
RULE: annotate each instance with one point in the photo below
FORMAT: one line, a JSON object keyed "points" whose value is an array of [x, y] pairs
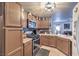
{"points": [[26, 40], [62, 36]]}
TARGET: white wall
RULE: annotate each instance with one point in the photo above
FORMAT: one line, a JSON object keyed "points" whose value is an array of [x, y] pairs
{"points": [[75, 28]]}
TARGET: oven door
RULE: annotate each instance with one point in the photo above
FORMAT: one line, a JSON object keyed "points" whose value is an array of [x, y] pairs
{"points": [[36, 46]]}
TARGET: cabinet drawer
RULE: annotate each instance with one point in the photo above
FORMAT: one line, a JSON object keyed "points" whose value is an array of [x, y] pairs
{"points": [[13, 39]]}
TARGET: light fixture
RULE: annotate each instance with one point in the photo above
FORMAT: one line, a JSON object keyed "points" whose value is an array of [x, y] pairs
{"points": [[22, 10], [50, 6]]}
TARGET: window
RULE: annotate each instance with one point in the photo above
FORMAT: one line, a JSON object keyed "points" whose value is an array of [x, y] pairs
{"points": [[66, 26]]}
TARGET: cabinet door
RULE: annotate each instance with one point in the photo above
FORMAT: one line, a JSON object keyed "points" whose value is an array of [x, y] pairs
{"points": [[28, 49], [17, 52], [59, 43], [43, 23], [52, 41], [43, 40], [65, 46], [12, 14], [13, 39]]}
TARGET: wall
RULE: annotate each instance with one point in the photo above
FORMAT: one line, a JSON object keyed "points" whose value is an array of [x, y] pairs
{"points": [[61, 23], [75, 28]]}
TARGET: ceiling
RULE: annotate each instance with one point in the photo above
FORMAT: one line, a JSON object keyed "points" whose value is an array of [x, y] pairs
{"points": [[37, 8]]}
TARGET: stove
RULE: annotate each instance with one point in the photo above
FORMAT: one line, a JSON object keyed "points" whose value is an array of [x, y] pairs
{"points": [[35, 41]]}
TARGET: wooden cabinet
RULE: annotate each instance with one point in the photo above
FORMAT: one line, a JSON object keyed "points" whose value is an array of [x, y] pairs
{"points": [[43, 40], [64, 45], [17, 52], [12, 14], [43, 23], [59, 43], [10, 29], [46, 22], [27, 48], [52, 41], [48, 40], [13, 39]]}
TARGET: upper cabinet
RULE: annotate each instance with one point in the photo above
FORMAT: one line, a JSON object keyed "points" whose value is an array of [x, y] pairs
{"points": [[43, 23], [13, 14]]}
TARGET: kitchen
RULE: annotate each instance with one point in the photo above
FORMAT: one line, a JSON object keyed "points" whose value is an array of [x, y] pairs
{"points": [[26, 29]]}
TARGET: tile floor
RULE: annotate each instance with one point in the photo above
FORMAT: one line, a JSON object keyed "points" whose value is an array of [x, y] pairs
{"points": [[52, 52]]}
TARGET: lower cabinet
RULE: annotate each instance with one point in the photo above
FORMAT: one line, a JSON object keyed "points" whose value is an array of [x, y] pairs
{"points": [[17, 52], [48, 41], [27, 48], [52, 41], [63, 44], [13, 41], [43, 40], [59, 44]]}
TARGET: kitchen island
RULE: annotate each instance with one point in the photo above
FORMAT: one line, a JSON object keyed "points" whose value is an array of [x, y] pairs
{"points": [[61, 42]]}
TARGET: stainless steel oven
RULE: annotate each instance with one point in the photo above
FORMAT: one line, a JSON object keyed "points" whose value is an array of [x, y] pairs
{"points": [[35, 40]]}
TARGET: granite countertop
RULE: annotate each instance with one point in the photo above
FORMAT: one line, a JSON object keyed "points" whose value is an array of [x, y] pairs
{"points": [[62, 36]]}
